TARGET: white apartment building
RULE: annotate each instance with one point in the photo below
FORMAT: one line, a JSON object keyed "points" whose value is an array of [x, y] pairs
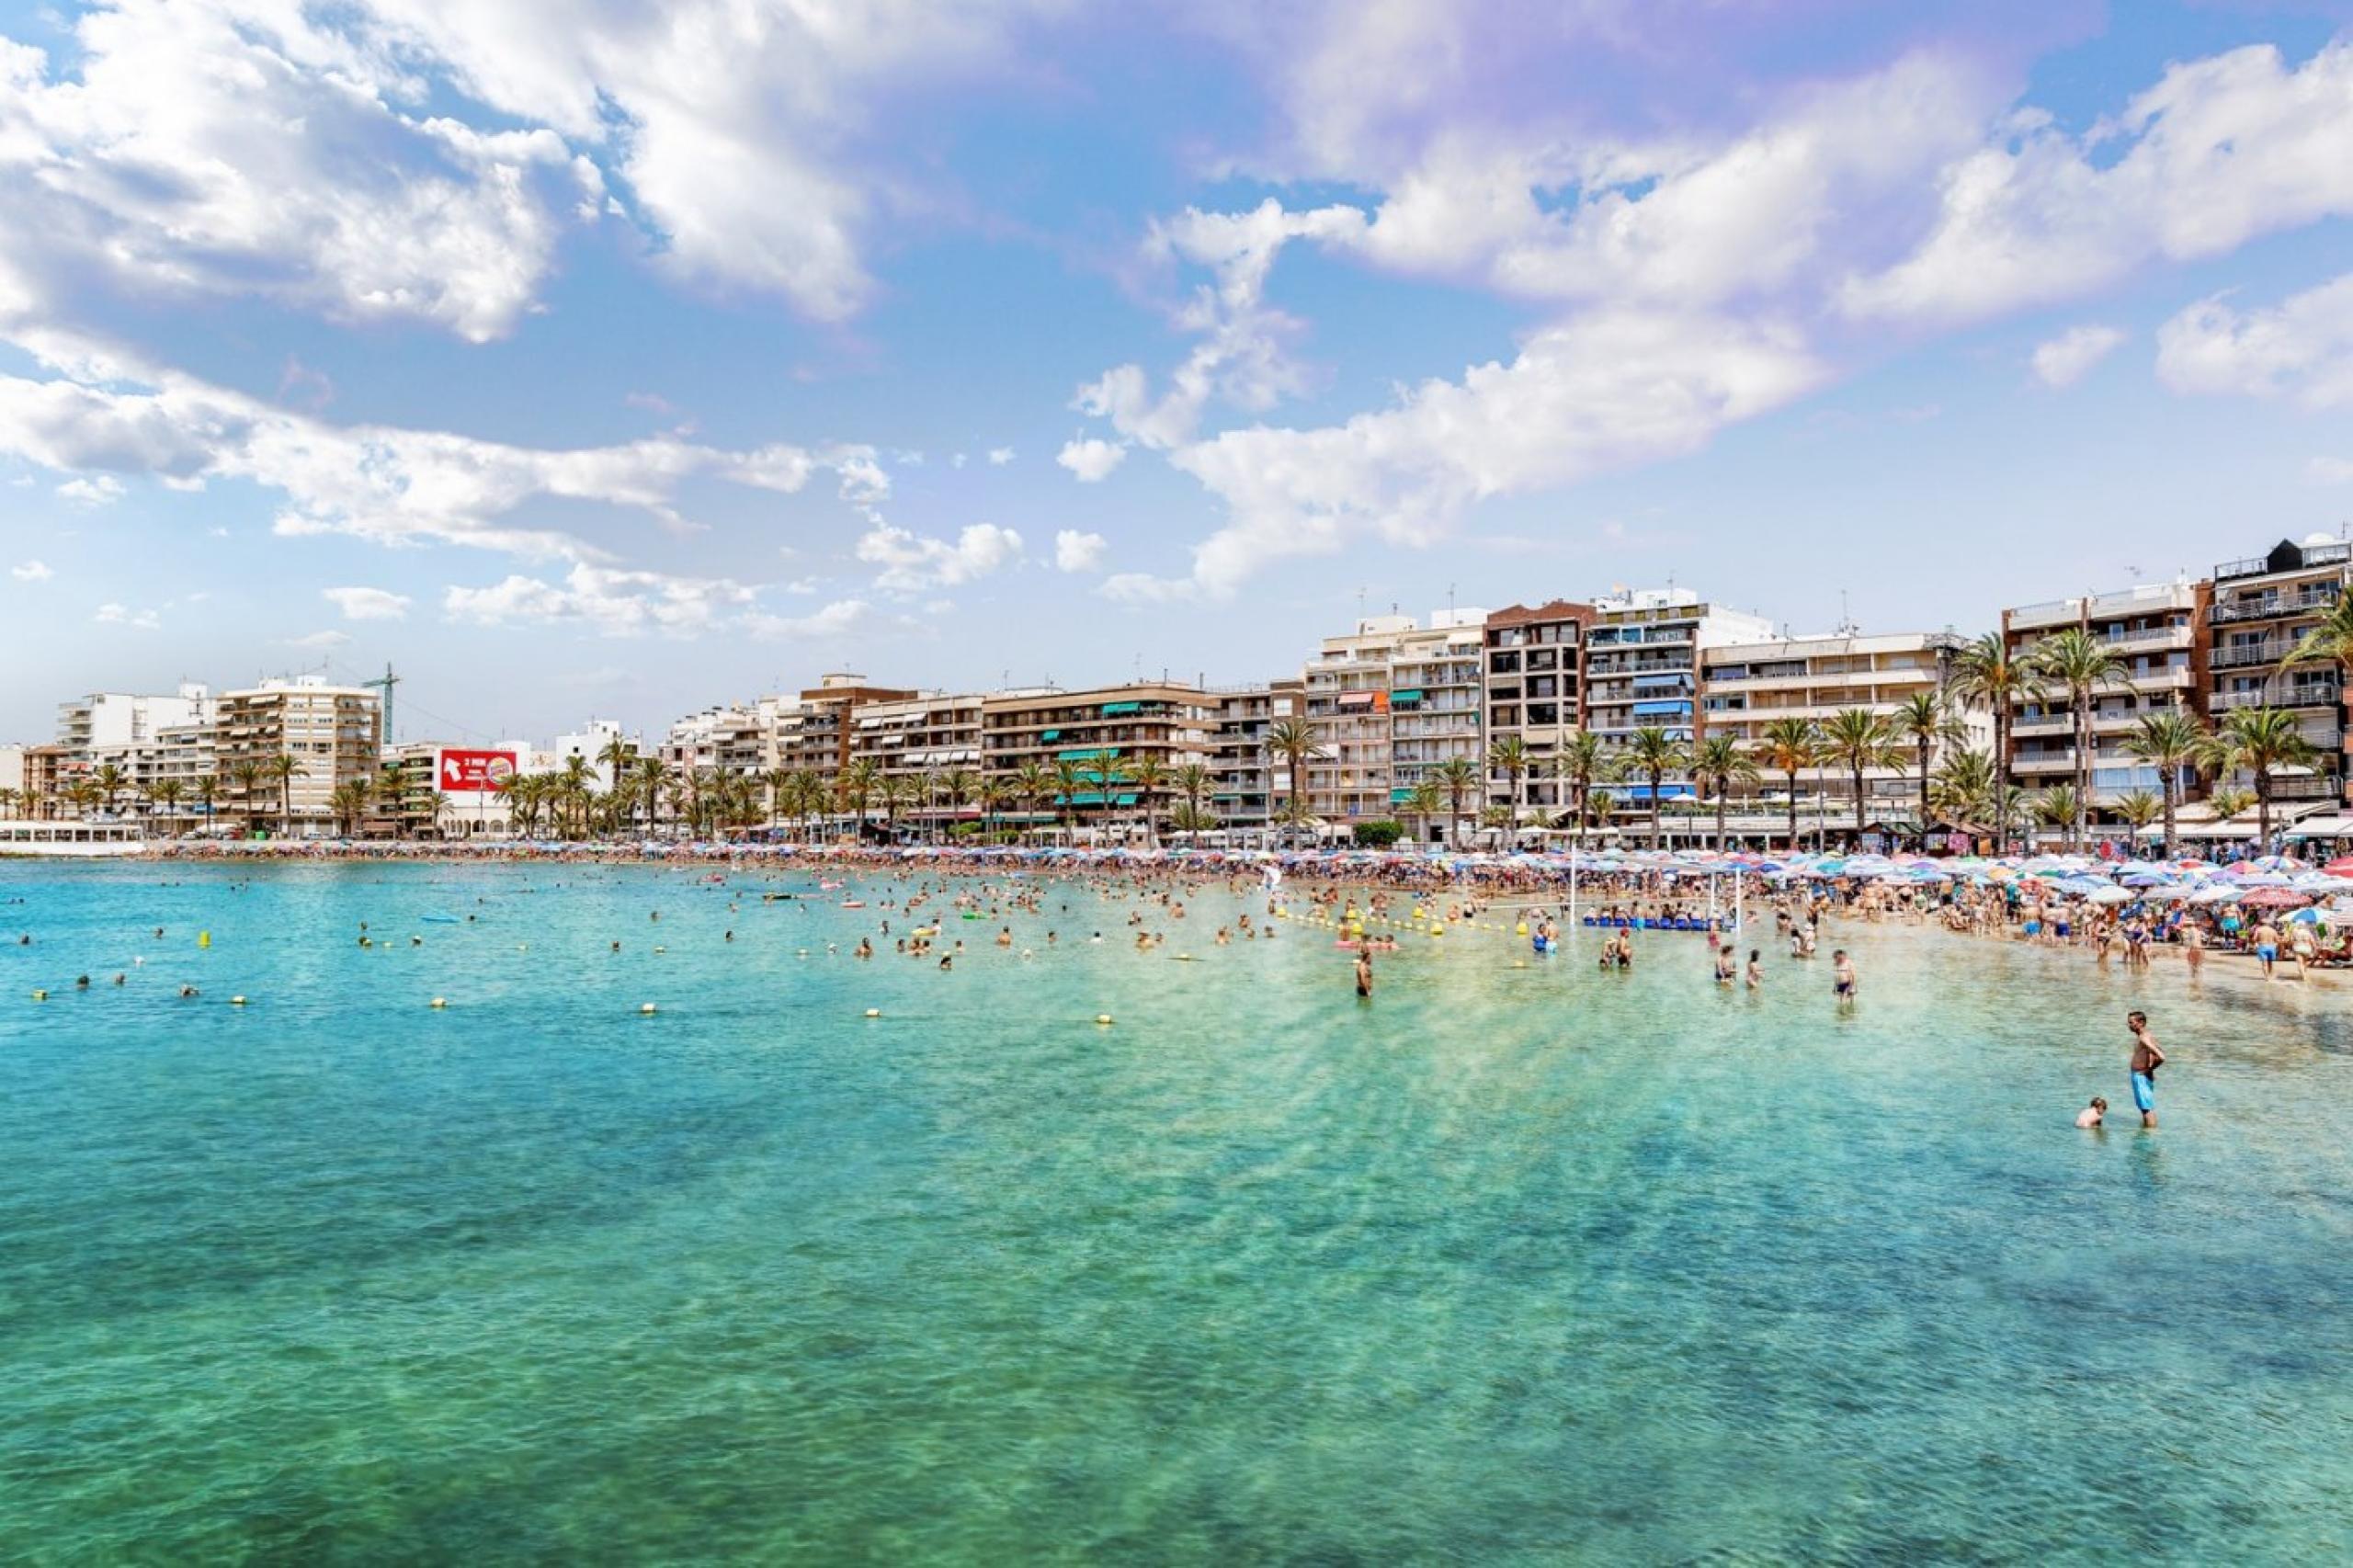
{"points": [[589, 742], [332, 732], [923, 740], [2158, 630], [146, 738], [1747, 686], [1390, 704], [1642, 669]]}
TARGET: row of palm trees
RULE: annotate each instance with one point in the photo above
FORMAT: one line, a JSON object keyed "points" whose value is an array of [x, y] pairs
{"points": [[248, 782]]}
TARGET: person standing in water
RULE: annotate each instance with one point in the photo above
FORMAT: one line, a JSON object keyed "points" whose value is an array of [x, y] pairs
{"points": [[1842, 978], [2146, 1058], [1364, 972]]}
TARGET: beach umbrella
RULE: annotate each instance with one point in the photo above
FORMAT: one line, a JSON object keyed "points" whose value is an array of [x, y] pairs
{"points": [[2276, 863], [2305, 918], [2274, 898], [2110, 895]]}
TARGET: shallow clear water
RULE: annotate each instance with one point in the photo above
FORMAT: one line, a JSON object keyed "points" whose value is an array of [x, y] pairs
{"points": [[1516, 1263]]}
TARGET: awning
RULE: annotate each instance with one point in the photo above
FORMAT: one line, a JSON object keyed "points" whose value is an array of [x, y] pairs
{"points": [[1094, 797], [1399, 797], [1667, 677], [1086, 754], [1355, 699], [1408, 696], [1113, 710], [1665, 793], [2334, 825], [1661, 710], [1049, 734]]}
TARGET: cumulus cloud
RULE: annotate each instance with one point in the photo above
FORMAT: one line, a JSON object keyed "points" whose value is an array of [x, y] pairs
{"points": [[368, 604], [2220, 151], [31, 572], [2068, 358], [912, 562], [2300, 349], [1091, 458], [102, 413], [98, 490], [1000, 456], [1593, 394], [319, 640], [835, 620], [611, 602], [122, 615], [1077, 551]]}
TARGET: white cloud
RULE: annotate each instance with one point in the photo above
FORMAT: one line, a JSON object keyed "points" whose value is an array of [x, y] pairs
{"points": [[1077, 551], [2068, 358], [2323, 471], [103, 490], [31, 572], [368, 604], [911, 562], [1000, 456], [319, 640], [835, 620], [1091, 458], [103, 413], [612, 603], [119, 615], [1587, 395], [2220, 151], [2302, 349]]}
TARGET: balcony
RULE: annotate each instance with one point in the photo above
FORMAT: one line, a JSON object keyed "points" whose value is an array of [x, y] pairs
{"points": [[2270, 651], [2276, 606], [2258, 565], [2315, 694]]}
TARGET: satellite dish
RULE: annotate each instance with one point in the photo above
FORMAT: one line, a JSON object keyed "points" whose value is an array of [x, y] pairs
{"points": [[2320, 539]]}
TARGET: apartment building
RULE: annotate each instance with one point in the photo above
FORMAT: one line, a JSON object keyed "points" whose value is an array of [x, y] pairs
{"points": [[452, 789], [2261, 607], [922, 740], [2155, 629], [589, 744], [1746, 687], [1534, 682], [1250, 785], [334, 733], [1391, 703], [1171, 723], [1643, 656], [142, 737], [813, 735]]}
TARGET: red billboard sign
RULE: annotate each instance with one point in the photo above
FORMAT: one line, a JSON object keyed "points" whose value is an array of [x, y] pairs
{"points": [[475, 772]]}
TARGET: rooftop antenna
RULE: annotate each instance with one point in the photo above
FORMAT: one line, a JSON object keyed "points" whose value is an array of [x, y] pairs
{"points": [[385, 684]]}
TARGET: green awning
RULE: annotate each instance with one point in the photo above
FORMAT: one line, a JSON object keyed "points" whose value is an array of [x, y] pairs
{"points": [[1086, 754], [1092, 798], [1399, 797], [1051, 735], [1406, 695], [1113, 710]]}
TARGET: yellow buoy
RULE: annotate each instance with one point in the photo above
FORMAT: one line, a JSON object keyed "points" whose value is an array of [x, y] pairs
{"points": [[236, 1001], [661, 949], [1103, 1018], [440, 1002], [874, 1012], [40, 996], [646, 1008], [204, 938]]}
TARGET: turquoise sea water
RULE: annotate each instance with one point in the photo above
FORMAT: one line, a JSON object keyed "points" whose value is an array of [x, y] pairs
{"points": [[1514, 1264]]}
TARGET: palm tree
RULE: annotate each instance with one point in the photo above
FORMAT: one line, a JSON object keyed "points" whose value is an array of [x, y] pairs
{"points": [[2059, 808], [1580, 764], [1966, 789], [2170, 741], [2331, 642], [245, 782], [1149, 776], [1458, 776], [1985, 673], [1110, 773], [963, 787], [1192, 782], [654, 777], [348, 800], [1790, 747], [1071, 777], [856, 785], [284, 768], [166, 793], [9, 799], [2139, 808], [1654, 753], [2255, 741], [1857, 739], [990, 795], [1926, 720], [1422, 801], [110, 781], [2228, 800], [898, 792], [1293, 740], [776, 781], [2081, 665], [617, 758], [1718, 764], [1033, 784], [208, 789], [1509, 758]]}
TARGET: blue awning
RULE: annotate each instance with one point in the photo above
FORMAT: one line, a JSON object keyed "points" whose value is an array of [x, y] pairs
{"points": [[1665, 793], [1662, 710], [1669, 677]]}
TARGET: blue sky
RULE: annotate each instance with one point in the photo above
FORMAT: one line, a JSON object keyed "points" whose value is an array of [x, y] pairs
{"points": [[579, 357]]}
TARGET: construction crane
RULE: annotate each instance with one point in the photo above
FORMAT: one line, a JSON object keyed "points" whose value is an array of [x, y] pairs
{"points": [[385, 683]]}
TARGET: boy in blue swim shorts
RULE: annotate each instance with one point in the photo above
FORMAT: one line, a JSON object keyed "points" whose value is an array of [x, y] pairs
{"points": [[2146, 1060]]}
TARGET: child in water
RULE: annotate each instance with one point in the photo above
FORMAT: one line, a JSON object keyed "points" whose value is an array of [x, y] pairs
{"points": [[2091, 1114]]}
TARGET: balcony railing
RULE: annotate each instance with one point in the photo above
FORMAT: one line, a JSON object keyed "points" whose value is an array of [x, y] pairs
{"points": [[2270, 651], [2273, 608], [2257, 565], [2319, 694]]}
